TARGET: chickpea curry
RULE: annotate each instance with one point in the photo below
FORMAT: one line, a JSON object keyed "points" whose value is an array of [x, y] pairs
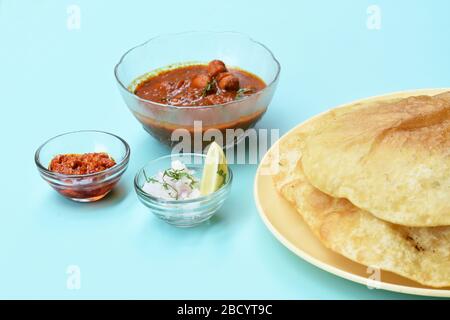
{"points": [[199, 85]]}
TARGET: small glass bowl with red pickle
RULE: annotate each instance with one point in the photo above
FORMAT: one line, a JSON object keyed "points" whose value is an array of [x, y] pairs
{"points": [[220, 80], [83, 166]]}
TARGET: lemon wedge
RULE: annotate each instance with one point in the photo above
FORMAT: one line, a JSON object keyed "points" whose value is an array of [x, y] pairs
{"points": [[215, 170]]}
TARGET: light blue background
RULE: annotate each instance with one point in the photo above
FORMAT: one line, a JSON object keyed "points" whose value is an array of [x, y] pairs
{"points": [[54, 80]]}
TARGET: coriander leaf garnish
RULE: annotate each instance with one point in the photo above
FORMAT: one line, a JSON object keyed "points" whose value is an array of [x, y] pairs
{"points": [[168, 186], [145, 176], [172, 183], [209, 86], [179, 174], [149, 180], [221, 173], [242, 92]]}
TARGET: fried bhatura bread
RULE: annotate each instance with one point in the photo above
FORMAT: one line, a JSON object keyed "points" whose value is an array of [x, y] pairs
{"points": [[390, 158], [421, 254]]}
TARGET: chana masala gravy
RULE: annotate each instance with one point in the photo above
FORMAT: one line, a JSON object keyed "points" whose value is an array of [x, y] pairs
{"points": [[78, 164], [199, 85]]}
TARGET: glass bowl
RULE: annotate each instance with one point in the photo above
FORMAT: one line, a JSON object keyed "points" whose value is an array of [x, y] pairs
{"points": [[235, 49], [181, 213], [85, 187]]}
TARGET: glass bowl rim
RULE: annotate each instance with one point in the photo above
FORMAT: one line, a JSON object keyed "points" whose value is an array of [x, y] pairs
{"points": [[117, 167], [166, 35], [158, 200]]}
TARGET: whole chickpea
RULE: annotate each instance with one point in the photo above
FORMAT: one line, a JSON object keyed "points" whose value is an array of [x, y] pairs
{"points": [[215, 67], [201, 81], [222, 75], [227, 81]]}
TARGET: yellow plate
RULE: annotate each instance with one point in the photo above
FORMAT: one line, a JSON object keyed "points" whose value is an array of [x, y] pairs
{"points": [[290, 229]]}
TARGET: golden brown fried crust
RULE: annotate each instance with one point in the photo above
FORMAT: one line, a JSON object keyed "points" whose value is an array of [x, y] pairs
{"points": [[392, 159], [421, 254]]}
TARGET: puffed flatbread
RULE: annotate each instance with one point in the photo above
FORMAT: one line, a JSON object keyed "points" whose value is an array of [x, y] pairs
{"points": [[391, 159], [418, 253]]}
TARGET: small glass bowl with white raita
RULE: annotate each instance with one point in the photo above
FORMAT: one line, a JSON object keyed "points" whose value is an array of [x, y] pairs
{"points": [[185, 189]]}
